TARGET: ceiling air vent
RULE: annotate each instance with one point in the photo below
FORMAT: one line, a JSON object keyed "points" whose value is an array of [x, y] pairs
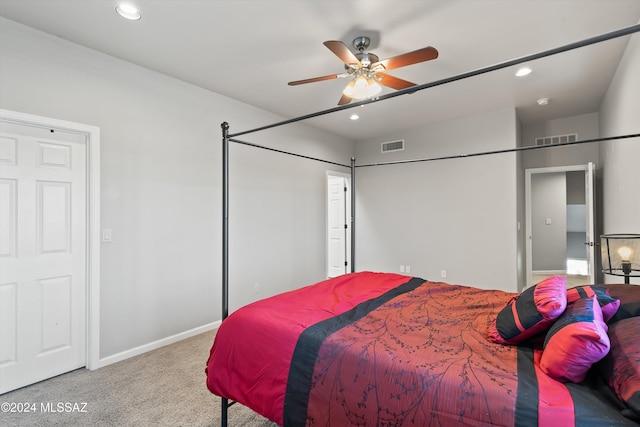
{"points": [[390, 146], [556, 139]]}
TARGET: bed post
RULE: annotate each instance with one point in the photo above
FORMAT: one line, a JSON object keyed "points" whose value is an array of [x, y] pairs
{"points": [[225, 220], [225, 244], [353, 214]]}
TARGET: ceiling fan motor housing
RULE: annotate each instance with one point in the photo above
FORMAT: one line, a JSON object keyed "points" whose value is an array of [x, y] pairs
{"points": [[361, 43]]}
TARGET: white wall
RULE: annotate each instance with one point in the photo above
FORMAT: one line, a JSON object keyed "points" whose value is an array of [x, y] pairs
{"points": [[585, 125], [456, 215], [161, 187], [619, 115]]}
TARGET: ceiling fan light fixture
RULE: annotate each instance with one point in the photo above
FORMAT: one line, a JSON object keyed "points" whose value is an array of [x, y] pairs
{"points": [[362, 88], [374, 87]]}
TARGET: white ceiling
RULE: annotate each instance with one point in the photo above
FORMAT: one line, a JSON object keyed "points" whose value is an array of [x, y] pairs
{"points": [[249, 49]]}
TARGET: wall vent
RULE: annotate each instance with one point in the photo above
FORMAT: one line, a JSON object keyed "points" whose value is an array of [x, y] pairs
{"points": [[390, 146], [556, 139]]}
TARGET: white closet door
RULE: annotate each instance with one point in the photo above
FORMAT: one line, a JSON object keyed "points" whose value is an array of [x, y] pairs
{"points": [[337, 227], [591, 238], [43, 221]]}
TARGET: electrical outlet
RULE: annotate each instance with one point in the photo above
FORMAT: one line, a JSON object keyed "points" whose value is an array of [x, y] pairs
{"points": [[443, 274], [256, 288], [407, 269], [402, 269]]}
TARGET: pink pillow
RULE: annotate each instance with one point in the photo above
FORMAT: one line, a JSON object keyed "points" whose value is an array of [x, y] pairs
{"points": [[577, 340], [608, 304], [531, 312], [621, 368]]}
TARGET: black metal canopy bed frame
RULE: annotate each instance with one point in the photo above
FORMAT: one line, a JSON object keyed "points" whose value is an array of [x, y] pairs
{"points": [[228, 137]]}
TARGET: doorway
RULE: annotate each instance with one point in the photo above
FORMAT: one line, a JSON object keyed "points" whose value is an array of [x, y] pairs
{"points": [[560, 223], [49, 251], [338, 227]]}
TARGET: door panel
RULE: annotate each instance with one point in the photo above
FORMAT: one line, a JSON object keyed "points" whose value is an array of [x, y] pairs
{"points": [[43, 254], [590, 242], [336, 223], [589, 207]]}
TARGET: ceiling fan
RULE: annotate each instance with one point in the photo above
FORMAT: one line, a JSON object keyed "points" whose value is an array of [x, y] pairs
{"points": [[366, 70]]}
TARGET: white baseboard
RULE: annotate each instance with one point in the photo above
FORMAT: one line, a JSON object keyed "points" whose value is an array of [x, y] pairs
{"points": [[118, 357], [550, 272]]}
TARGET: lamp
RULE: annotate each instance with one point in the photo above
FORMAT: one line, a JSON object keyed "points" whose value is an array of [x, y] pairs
{"points": [[362, 87], [621, 255]]}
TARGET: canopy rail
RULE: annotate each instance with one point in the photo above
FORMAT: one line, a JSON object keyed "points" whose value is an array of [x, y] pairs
{"points": [[506, 150], [251, 144]]}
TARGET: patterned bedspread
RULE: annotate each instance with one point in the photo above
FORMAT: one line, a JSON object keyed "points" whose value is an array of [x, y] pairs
{"points": [[391, 350]]}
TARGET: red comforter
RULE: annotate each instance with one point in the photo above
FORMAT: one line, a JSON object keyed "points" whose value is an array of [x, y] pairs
{"points": [[385, 349]]}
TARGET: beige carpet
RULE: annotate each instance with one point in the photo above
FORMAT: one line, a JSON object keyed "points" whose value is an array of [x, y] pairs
{"points": [[164, 387]]}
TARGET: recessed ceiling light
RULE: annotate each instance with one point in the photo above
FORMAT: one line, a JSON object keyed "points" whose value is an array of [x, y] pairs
{"points": [[128, 11], [354, 117], [543, 101], [524, 71]]}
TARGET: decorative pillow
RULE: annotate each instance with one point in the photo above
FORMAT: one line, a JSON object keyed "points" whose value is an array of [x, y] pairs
{"points": [[629, 296], [531, 312], [577, 340], [621, 368], [608, 304]]}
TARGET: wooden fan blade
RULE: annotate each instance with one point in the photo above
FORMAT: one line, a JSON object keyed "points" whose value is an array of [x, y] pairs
{"points": [[420, 55], [342, 51], [393, 82], [344, 100], [315, 79]]}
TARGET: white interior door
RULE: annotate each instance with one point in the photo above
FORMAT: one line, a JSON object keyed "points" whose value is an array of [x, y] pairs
{"points": [[590, 242], [336, 226], [43, 253]]}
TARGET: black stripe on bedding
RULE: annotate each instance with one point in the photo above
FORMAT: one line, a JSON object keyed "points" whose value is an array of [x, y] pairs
{"points": [[595, 405], [308, 345], [526, 413]]}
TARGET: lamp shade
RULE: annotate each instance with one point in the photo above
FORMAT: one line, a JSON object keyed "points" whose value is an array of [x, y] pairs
{"points": [[362, 88], [621, 254]]}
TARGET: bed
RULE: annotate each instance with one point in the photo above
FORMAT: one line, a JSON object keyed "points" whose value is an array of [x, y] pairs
{"points": [[386, 349]]}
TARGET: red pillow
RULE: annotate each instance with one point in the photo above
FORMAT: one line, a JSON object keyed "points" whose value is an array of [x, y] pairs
{"points": [[576, 341], [608, 304], [621, 368], [531, 312]]}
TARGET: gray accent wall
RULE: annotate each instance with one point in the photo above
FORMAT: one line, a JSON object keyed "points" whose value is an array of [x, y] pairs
{"points": [[586, 126], [456, 215]]}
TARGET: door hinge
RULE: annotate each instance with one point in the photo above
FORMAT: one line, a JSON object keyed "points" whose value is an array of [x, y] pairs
{"points": [[346, 263], [346, 226]]}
